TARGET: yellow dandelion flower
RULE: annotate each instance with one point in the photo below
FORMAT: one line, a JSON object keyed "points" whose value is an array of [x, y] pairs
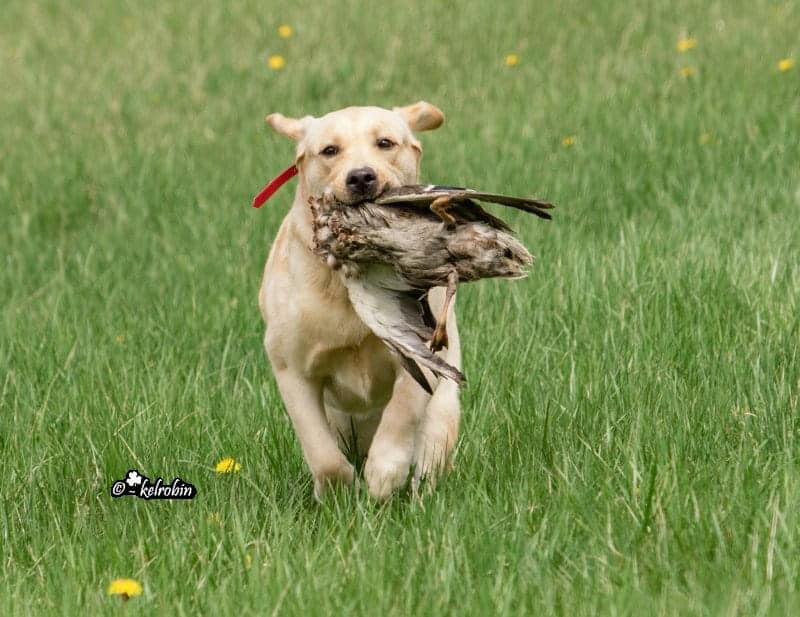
{"points": [[512, 60], [705, 139], [285, 31], [125, 587], [276, 62], [785, 64], [684, 45], [227, 465], [569, 141], [687, 71]]}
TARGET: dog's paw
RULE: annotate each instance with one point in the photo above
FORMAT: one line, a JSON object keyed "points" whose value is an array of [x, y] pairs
{"points": [[340, 473], [386, 473], [433, 458]]}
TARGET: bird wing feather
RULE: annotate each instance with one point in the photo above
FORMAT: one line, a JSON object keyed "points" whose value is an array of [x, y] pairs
{"points": [[395, 314], [426, 194]]}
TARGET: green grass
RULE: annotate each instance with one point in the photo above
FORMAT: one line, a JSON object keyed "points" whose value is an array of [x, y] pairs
{"points": [[630, 428]]}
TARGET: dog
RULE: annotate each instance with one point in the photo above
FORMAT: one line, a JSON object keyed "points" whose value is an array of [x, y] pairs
{"points": [[342, 387]]}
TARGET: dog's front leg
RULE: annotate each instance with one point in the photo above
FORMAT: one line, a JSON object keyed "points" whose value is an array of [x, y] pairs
{"points": [[392, 449], [303, 400]]}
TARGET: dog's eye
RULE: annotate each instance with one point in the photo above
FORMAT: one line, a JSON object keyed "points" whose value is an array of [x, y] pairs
{"points": [[384, 144], [330, 150]]}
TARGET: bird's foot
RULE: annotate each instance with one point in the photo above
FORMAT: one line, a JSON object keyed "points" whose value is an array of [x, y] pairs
{"points": [[440, 207], [439, 338]]}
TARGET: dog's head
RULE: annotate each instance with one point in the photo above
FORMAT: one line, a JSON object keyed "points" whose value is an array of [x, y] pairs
{"points": [[358, 152]]}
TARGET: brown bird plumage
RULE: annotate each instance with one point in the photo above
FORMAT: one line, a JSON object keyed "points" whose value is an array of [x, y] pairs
{"points": [[394, 249]]}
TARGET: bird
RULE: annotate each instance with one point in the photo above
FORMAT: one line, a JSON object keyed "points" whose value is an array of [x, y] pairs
{"points": [[394, 248]]}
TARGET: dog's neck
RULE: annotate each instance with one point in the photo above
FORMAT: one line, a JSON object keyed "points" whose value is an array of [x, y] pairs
{"points": [[300, 214]]}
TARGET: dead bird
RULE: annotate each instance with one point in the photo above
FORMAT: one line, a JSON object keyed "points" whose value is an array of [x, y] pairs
{"points": [[394, 249]]}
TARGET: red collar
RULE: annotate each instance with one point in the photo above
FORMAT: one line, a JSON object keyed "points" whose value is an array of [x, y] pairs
{"points": [[273, 185]]}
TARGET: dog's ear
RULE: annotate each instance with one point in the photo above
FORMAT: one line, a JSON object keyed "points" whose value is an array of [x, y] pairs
{"points": [[293, 128], [421, 116]]}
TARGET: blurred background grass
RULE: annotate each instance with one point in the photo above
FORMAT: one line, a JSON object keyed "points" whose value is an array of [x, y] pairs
{"points": [[630, 425]]}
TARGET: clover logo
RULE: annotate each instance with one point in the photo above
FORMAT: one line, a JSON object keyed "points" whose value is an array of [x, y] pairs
{"points": [[133, 479]]}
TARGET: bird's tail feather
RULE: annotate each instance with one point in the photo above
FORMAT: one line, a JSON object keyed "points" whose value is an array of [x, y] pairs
{"points": [[421, 354], [415, 371], [532, 206]]}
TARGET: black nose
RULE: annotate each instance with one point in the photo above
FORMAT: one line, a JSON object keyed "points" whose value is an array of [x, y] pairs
{"points": [[362, 181]]}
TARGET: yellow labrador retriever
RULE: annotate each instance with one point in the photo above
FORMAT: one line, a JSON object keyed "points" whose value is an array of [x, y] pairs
{"points": [[341, 385]]}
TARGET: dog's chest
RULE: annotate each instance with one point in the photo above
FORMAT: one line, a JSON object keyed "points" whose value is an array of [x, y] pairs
{"points": [[360, 379], [357, 368]]}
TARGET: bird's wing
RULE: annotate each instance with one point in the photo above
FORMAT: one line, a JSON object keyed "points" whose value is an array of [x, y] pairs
{"points": [[427, 193], [396, 315]]}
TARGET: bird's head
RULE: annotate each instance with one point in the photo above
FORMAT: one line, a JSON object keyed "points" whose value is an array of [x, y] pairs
{"points": [[358, 152], [496, 254]]}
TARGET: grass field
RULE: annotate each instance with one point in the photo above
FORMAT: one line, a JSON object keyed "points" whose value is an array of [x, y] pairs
{"points": [[630, 428]]}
